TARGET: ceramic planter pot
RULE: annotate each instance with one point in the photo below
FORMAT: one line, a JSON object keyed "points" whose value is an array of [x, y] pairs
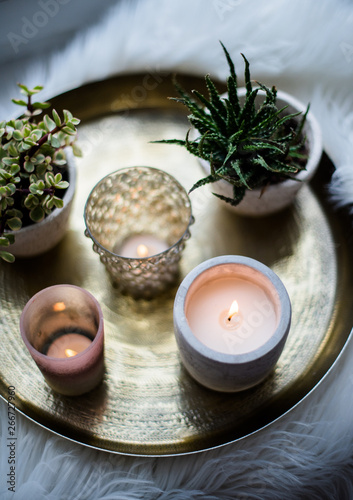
{"points": [[276, 197], [36, 239]]}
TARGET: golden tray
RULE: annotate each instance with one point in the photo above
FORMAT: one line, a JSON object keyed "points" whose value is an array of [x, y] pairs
{"points": [[147, 403]]}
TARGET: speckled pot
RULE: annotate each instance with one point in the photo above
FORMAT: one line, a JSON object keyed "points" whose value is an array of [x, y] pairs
{"points": [[276, 197], [36, 239], [221, 371]]}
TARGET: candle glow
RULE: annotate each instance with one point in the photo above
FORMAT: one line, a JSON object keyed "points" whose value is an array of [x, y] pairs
{"points": [[234, 309], [246, 325], [59, 306], [68, 345], [142, 250], [140, 246], [70, 353]]}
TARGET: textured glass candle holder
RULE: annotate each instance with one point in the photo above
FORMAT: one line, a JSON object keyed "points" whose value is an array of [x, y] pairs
{"points": [[55, 314], [139, 201]]}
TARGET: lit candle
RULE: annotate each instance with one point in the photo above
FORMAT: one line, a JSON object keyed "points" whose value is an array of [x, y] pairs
{"points": [[232, 316], [139, 219], [141, 246], [246, 325], [62, 327], [67, 345]]}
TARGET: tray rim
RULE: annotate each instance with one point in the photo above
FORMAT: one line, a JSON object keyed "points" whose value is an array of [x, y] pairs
{"points": [[324, 207], [204, 450]]}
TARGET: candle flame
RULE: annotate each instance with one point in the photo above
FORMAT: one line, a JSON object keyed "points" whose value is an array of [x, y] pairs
{"points": [[70, 353], [142, 251], [59, 306], [234, 308]]}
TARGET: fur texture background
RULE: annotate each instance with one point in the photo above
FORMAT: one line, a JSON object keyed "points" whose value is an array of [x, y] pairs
{"points": [[307, 49]]}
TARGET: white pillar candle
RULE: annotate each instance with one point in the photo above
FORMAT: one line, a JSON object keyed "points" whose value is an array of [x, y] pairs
{"points": [[208, 315], [141, 246]]}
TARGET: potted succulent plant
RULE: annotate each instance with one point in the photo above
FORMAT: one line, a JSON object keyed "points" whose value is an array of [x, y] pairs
{"points": [[37, 177], [256, 145]]}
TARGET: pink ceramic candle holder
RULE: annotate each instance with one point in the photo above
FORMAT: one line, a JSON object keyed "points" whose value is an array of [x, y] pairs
{"points": [[62, 327]]}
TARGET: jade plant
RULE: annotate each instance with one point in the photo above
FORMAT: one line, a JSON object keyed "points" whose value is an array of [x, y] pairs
{"points": [[32, 165], [249, 144]]}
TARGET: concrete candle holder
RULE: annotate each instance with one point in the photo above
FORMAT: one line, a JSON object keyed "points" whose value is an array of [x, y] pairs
{"points": [[223, 350]]}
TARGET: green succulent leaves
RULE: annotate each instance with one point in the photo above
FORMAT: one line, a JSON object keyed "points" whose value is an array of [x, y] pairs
{"points": [[247, 143], [32, 153]]}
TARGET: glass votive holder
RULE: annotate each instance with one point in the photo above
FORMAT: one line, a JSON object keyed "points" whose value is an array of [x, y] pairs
{"points": [[62, 327], [138, 219]]}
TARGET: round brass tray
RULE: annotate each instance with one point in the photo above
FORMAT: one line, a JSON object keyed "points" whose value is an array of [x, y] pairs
{"points": [[147, 403]]}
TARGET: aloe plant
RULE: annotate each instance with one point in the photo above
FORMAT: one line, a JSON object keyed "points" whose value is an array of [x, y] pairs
{"points": [[249, 144], [32, 158]]}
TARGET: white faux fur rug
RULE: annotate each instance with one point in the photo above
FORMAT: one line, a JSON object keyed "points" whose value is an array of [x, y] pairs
{"points": [[307, 49]]}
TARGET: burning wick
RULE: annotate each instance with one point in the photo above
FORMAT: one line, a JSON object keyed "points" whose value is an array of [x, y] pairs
{"points": [[234, 308], [70, 353], [142, 251], [232, 319]]}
